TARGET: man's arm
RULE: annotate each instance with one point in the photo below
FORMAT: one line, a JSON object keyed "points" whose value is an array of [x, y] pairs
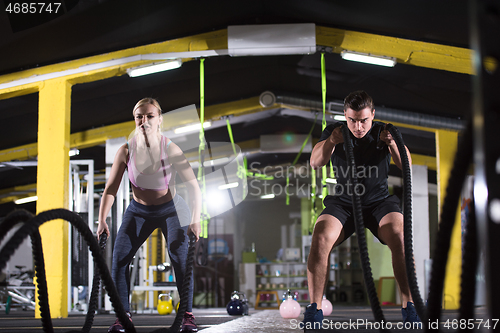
{"points": [[323, 150], [386, 136]]}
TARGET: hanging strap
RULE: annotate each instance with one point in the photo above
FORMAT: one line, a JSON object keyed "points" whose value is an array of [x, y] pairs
{"points": [[242, 171], [297, 158], [324, 189], [205, 218], [256, 175]]}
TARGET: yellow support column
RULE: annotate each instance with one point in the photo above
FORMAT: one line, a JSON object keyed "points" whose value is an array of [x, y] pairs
{"points": [[446, 147], [52, 187]]}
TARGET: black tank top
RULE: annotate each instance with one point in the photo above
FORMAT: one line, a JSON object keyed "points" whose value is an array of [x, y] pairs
{"points": [[372, 167]]}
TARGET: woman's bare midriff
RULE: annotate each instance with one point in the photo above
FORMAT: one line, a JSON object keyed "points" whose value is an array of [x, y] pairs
{"points": [[150, 197]]}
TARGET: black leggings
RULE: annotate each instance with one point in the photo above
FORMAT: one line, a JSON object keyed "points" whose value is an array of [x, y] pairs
{"points": [[139, 221]]}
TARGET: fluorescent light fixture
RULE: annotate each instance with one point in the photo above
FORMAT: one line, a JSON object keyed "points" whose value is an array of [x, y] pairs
{"points": [[331, 180], [216, 162], [25, 200], [339, 118], [192, 128], [74, 152], [226, 186], [368, 58], [154, 68], [267, 196]]}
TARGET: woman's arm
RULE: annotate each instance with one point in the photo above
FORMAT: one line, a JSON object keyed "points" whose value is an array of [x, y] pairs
{"points": [[109, 194], [183, 168]]}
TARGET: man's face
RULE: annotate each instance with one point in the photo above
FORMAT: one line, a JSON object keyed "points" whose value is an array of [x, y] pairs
{"points": [[359, 122]]}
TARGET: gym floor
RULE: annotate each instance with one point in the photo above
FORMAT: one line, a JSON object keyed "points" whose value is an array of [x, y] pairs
{"points": [[342, 319]]}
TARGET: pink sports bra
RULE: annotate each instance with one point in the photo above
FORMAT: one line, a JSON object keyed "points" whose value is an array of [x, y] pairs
{"points": [[156, 181]]}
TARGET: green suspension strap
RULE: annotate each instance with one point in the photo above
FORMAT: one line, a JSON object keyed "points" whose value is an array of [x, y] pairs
{"points": [[324, 189], [242, 171], [205, 218], [256, 175], [297, 158]]}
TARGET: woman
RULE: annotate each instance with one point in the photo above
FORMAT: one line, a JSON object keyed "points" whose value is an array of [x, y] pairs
{"points": [[152, 161]]}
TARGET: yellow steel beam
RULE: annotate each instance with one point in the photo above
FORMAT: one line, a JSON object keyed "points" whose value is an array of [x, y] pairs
{"points": [[426, 160], [19, 153], [12, 198], [20, 188], [235, 108], [415, 127], [97, 136], [52, 187], [207, 41], [446, 147], [410, 52], [406, 51], [20, 90]]}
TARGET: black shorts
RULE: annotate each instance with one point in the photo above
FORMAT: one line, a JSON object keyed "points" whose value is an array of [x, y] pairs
{"points": [[372, 214]]}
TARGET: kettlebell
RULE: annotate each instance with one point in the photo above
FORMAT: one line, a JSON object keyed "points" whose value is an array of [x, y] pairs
{"points": [[235, 305], [165, 307]]}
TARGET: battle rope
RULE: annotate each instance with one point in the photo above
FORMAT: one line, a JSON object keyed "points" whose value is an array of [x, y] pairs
{"points": [[89, 319], [453, 189], [36, 244], [408, 230], [360, 230], [469, 268], [30, 228]]}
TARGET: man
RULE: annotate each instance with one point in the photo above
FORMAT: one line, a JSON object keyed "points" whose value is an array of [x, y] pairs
{"points": [[381, 212]]}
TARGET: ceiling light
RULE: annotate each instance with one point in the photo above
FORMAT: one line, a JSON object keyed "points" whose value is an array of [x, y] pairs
{"points": [[339, 118], [26, 200], [192, 128], [216, 162], [74, 152], [331, 180], [267, 196], [226, 186], [154, 68], [368, 58]]}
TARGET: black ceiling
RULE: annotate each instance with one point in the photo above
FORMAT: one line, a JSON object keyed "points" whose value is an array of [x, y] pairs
{"points": [[88, 28]]}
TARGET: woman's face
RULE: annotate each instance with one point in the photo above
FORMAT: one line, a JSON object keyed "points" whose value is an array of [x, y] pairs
{"points": [[147, 119]]}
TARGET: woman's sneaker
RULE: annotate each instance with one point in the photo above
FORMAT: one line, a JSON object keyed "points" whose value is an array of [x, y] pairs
{"points": [[117, 326], [189, 323]]}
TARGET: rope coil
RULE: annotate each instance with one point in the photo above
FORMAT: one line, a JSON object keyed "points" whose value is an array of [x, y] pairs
{"points": [[30, 228]]}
